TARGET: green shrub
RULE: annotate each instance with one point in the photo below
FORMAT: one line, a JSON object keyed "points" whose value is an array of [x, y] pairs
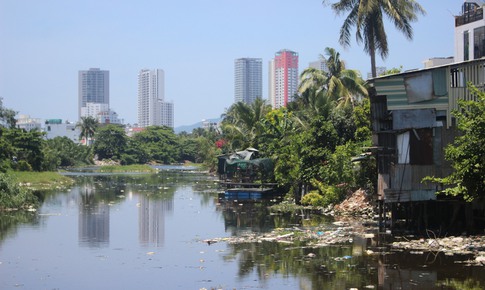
{"points": [[313, 198], [329, 194], [12, 196]]}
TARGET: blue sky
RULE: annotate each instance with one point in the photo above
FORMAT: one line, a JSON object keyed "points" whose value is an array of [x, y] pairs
{"points": [[43, 45]]}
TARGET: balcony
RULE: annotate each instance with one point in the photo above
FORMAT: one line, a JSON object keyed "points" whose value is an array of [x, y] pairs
{"points": [[469, 17]]}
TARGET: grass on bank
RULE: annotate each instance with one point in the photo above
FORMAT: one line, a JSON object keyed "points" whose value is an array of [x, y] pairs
{"points": [[126, 168], [40, 180]]}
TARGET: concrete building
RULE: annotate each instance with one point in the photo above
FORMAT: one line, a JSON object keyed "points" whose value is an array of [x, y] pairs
{"points": [[166, 114], [93, 109], [27, 123], [248, 79], [470, 32], [108, 117], [437, 61], [271, 83], [319, 64], [283, 78], [152, 108], [56, 128], [93, 88]]}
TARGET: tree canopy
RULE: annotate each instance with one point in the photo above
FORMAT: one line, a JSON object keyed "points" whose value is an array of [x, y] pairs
{"points": [[367, 17]]}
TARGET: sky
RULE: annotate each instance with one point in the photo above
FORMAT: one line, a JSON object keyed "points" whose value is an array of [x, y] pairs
{"points": [[43, 45]]}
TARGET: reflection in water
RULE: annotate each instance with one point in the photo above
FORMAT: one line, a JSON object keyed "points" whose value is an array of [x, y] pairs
{"points": [[144, 215], [9, 222], [151, 220], [93, 223], [428, 270]]}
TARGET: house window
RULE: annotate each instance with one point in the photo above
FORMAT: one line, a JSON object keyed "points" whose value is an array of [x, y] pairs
{"points": [[403, 148], [421, 146], [457, 79], [466, 41], [479, 42]]}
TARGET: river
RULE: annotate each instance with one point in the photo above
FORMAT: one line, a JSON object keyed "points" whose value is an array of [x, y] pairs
{"points": [[149, 231]]}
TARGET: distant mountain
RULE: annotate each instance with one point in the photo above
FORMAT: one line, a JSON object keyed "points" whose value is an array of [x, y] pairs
{"points": [[189, 128]]}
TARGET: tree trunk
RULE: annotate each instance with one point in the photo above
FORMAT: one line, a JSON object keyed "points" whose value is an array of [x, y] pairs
{"points": [[372, 52]]}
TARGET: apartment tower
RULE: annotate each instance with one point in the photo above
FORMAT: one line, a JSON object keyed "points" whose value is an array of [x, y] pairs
{"points": [[152, 108], [283, 78], [93, 88], [248, 79]]}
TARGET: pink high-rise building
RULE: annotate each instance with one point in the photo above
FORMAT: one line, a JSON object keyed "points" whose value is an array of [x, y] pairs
{"points": [[283, 78]]}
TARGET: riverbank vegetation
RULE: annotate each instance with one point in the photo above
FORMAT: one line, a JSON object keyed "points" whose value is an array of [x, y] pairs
{"points": [[13, 196]]}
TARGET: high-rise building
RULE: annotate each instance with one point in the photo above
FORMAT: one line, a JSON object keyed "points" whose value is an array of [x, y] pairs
{"points": [[319, 64], [248, 79], [166, 109], [283, 78], [93, 88], [152, 108]]}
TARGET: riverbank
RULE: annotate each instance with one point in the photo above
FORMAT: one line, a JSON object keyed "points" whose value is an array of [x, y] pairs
{"points": [[40, 180], [15, 197], [126, 168]]}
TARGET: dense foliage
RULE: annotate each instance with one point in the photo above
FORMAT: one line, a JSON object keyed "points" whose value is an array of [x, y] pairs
{"points": [[314, 139], [12, 196], [467, 152]]}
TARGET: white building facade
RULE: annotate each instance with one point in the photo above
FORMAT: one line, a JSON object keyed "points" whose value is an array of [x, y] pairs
{"points": [[56, 128], [152, 108], [166, 114], [27, 123], [248, 79], [470, 32]]}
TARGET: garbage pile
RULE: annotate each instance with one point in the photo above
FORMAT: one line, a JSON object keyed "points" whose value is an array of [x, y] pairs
{"points": [[462, 245], [338, 233], [357, 204]]}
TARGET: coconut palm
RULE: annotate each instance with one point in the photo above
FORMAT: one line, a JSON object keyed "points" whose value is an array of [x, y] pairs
{"points": [[88, 127], [242, 122], [367, 17], [343, 84], [337, 83]]}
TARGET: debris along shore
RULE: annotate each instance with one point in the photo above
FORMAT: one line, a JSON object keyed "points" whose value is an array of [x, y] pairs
{"points": [[336, 233], [341, 231], [453, 245]]}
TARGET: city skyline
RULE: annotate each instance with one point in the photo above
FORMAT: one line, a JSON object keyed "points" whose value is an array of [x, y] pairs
{"points": [[54, 40]]}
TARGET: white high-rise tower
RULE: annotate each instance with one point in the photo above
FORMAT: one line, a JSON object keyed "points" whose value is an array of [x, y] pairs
{"points": [[152, 108]]}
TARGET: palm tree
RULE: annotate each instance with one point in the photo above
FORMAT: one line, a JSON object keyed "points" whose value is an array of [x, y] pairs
{"points": [[318, 87], [367, 17], [88, 127], [242, 122], [342, 84]]}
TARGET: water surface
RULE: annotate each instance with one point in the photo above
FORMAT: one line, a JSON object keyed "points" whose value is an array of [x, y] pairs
{"points": [[147, 231]]}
